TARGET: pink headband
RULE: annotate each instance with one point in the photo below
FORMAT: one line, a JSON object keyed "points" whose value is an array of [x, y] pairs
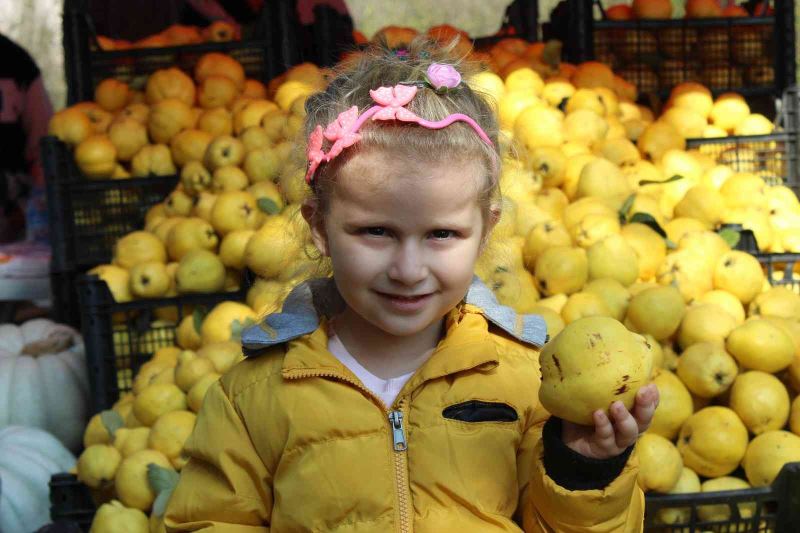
{"points": [[343, 132]]}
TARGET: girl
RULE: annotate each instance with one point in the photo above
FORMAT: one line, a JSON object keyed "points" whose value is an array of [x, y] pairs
{"points": [[398, 395]]}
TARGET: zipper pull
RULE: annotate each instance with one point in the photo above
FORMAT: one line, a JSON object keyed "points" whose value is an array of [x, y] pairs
{"points": [[398, 437]]}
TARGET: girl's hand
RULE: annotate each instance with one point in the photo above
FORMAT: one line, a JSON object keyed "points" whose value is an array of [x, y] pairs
{"points": [[609, 438]]}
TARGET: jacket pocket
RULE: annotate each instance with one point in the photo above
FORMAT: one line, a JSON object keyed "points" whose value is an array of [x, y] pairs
{"points": [[479, 411]]}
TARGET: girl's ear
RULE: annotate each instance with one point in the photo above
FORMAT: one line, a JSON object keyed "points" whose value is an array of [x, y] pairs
{"points": [[316, 222], [495, 212]]}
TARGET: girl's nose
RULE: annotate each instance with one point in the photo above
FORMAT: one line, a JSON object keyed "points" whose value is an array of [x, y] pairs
{"points": [[408, 264]]}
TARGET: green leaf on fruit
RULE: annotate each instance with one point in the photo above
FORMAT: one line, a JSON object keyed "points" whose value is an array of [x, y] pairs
{"points": [[112, 421], [676, 177], [161, 478], [163, 482], [730, 236], [237, 326], [670, 245], [161, 502], [648, 220], [626, 208], [198, 316], [268, 206]]}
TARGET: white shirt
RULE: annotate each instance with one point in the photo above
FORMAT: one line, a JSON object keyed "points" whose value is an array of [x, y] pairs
{"points": [[385, 389]]}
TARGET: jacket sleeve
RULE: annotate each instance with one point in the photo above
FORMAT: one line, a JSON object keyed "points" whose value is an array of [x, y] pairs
{"points": [[225, 487], [546, 506]]}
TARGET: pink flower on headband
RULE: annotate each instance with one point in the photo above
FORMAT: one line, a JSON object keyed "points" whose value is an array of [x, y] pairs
{"points": [[441, 75], [341, 133], [393, 99], [314, 152]]}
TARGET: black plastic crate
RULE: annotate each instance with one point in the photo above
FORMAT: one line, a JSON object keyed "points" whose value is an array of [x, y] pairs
{"points": [[774, 157], [780, 270], [120, 337], [777, 508], [64, 298], [750, 55], [71, 501], [87, 217], [266, 52]]}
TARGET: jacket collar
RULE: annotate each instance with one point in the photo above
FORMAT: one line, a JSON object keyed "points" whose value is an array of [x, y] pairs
{"points": [[466, 345], [310, 302]]}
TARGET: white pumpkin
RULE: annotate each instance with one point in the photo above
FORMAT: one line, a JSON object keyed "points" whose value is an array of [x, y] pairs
{"points": [[28, 458], [43, 379]]}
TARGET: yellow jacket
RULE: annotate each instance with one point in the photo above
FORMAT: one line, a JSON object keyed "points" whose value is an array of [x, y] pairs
{"points": [[291, 441]]}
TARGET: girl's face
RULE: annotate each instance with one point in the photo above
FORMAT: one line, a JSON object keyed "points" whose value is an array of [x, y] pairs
{"points": [[403, 238]]}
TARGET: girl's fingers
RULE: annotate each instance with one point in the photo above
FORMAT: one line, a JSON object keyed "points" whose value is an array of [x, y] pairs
{"points": [[604, 440], [648, 394], [625, 426], [603, 429], [645, 406], [620, 430]]}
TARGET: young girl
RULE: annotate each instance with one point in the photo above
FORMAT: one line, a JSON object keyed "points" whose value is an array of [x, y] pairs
{"points": [[398, 395]]}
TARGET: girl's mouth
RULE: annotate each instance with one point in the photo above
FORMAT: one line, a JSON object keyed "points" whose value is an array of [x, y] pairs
{"points": [[405, 303]]}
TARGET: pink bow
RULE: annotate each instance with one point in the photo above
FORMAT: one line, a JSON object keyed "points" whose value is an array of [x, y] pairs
{"points": [[392, 100]]}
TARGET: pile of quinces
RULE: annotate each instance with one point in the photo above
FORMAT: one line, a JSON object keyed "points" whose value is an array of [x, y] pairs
{"points": [[607, 214], [176, 35], [663, 9], [134, 451], [240, 184], [215, 118]]}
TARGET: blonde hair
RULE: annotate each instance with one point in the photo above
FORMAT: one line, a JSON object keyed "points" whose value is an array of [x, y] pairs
{"points": [[379, 66]]}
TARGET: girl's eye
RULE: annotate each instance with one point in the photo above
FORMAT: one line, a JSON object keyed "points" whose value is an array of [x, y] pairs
{"points": [[375, 232], [441, 234]]}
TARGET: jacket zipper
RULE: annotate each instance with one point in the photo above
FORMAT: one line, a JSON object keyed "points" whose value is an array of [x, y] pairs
{"points": [[398, 438], [399, 446]]}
